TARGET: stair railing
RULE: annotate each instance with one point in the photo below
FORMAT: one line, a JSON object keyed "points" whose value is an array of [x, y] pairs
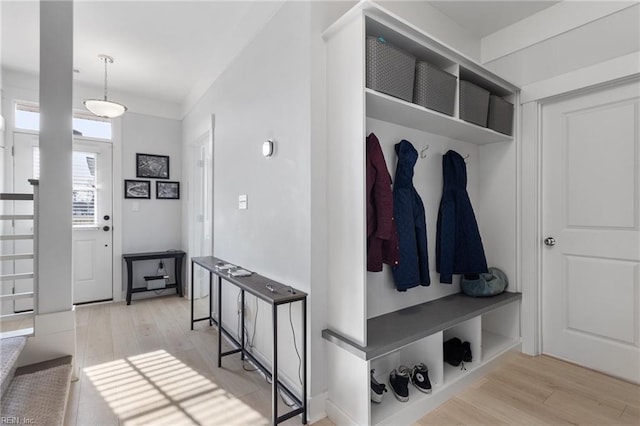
{"points": [[21, 256]]}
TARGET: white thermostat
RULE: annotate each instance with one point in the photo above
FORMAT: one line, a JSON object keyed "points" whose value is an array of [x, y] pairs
{"points": [[267, 148]]}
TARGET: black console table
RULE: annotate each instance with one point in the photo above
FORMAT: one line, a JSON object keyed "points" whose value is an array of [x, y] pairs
{"points": [[176, 255], [275, 294]]}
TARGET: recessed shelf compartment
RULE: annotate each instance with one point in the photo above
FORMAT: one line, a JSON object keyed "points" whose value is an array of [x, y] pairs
{"points": [[393, 110], [500, 331], [467, 331], [427, 351]]}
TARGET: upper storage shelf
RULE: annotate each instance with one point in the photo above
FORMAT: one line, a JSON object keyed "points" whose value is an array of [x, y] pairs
{"points": [[393, 110], [381, 23]]}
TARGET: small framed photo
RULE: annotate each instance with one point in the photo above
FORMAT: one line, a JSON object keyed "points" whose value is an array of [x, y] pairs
{"points": [[152, 166], [167, 190], [137, 189]]}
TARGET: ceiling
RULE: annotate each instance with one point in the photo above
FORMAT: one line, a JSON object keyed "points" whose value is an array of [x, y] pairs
{"points": [[167, 50], [162, 49]]}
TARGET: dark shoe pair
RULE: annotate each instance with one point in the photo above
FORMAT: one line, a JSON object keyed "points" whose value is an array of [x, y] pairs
{"points": [[456, 352], [399, 380], [377, 389]]}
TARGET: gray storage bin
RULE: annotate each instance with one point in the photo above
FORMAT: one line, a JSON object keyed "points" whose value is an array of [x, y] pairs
{"points": [[474, 103], [434, 89], [500, 115], [389, 69]]}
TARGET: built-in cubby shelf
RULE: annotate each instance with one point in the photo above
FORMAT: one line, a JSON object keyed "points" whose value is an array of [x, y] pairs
{"points": [[394, 110], [392, 331], [370, 324]]}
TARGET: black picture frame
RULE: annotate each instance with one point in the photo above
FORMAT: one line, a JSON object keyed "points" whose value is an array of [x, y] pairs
{"points": [[152, 166], [167, 190], [138, 189]]}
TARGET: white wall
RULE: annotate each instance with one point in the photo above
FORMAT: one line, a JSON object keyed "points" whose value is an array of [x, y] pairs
{"points": [[576, 35], [264, 93], [150, 225], [437, 24]]}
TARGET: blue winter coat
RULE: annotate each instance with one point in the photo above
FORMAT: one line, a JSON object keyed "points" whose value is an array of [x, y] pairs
{"points": [[408, 210], [458, 244]]}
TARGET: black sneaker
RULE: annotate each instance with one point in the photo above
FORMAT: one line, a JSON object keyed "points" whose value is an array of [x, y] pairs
{"points": [[466, 352], [420, 378], [399, 381], [377, 389]]}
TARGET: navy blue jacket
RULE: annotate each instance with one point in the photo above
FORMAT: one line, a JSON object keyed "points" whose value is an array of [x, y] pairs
{"points": [[408, 210], [458, 244]]}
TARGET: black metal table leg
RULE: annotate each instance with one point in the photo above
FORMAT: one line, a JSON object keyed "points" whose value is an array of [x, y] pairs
{"points": [[178, 270], [129, 280], [242, 324], [192, 295], [304, 361], [219, 321], [210, 299], [274, 373]]}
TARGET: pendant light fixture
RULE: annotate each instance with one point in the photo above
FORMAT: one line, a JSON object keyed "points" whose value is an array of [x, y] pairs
{"points": [[103, 107]]}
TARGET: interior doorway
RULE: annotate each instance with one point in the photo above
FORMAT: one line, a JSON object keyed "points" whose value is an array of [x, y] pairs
{"points": [[591, 229], [201, 207]]}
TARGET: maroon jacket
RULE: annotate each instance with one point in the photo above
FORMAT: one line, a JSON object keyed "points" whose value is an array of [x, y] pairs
{"points": [[382, 237]]}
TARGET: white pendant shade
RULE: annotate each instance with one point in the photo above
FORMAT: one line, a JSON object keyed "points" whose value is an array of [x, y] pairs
{"points": [[104, 108]]}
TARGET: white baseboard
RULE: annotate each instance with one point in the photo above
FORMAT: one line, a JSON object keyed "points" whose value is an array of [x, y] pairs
{"points": [[317, 407], [337, 416]]}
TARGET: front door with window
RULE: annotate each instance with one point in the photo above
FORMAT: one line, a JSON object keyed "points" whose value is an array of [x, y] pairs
{"points": [[92, 211]]}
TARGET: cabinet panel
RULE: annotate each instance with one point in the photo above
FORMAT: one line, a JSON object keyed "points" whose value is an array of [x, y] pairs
{"points": [[346, 183]]}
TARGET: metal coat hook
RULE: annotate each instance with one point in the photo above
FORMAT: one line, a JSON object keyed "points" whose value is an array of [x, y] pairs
{"points": [[466, 157], [423, 152]]}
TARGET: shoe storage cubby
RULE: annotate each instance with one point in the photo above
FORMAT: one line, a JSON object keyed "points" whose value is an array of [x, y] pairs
{"points": [[467, 331], [370, 325], [427, 351]]}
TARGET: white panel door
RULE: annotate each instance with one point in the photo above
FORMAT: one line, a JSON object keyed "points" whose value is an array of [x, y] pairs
{"points": [[92, 222], [92, 216], [591, 219]]}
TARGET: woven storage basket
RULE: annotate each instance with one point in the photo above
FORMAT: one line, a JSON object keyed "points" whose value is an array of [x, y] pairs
{"points": [[434, 89], [474, 103], [500, 115], [389, 69]]}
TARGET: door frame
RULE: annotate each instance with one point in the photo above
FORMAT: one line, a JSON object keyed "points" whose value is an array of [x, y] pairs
{"points": [[533, 97], [206, 138], [116, 193]]}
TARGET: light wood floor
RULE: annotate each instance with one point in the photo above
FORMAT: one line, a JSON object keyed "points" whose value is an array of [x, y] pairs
{"points": [[140, 364]]}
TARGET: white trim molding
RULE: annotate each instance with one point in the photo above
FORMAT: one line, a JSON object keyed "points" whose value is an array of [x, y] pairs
{"points": [[548, 23], [532, 99], [612, 70]]}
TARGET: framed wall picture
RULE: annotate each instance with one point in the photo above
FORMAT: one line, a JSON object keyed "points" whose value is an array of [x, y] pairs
{"points": [[137, 189], [167, 190], [152, 166]]}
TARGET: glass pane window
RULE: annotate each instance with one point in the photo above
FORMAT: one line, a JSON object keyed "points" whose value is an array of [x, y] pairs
{"points": [[85, 185], [27, 117], [84, 188]]}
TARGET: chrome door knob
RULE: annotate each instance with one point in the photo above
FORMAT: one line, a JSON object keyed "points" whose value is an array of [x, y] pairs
{"points": [[550, 241]]}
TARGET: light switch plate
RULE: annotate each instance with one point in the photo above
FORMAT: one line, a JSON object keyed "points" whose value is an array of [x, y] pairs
{"points": [[242, 202], [135, 206]]}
